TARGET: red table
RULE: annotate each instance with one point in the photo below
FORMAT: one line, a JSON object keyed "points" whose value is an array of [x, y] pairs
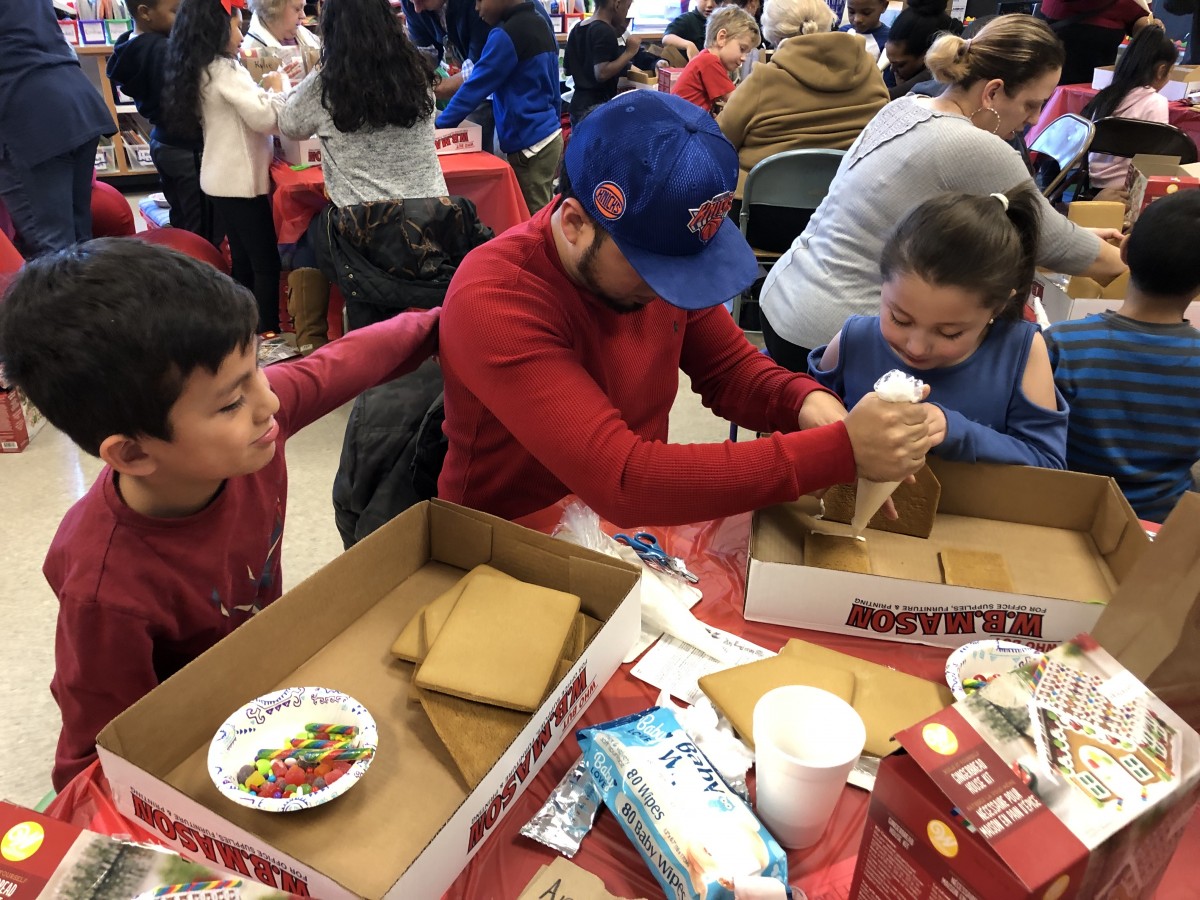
{"points": [[486, 180], [716, 551], [1072, 98]]}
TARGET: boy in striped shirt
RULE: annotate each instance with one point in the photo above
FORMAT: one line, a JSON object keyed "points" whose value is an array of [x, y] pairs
{"points": [[1132, 377]]}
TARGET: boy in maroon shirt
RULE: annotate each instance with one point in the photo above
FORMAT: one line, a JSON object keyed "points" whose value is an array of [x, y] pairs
{"points": [[147, 359], [708, 79]]}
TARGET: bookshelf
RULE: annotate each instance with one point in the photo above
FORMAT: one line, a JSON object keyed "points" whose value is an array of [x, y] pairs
{"points": [[94, 61]]}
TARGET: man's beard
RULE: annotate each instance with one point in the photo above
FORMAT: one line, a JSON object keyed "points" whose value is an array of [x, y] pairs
{"points": [[587, 273]]}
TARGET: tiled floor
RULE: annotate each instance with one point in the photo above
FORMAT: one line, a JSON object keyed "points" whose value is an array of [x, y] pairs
{"points": [[40, 484]]}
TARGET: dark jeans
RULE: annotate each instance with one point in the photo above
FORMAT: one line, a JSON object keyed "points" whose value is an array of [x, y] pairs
{"points": [[251, 231], [179, 172], [789, 355], [50, 203]]}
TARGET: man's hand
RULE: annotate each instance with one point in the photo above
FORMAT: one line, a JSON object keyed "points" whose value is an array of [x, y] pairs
{"points": [[820, 408], [890, 440]]}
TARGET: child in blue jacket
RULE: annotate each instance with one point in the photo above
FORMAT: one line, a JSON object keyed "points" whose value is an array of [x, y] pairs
{"points": [[519, 69]]}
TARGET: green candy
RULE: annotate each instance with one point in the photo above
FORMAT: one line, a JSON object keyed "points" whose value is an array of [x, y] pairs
{"points": [[264, 766]]}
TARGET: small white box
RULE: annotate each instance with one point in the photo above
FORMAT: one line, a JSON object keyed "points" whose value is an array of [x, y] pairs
{"points": [[106, 158], [138, 156], [466, 138], [299, 153]]}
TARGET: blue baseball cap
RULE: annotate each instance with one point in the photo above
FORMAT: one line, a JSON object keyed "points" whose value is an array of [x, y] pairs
{"points": [[655, 172]]}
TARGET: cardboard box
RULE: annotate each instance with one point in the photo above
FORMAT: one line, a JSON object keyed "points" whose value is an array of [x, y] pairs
{"points": [[1068, 540], [466, 138], [667, 76], [1183, 81], [1151, 177], [299, 153], [44, 857], [1065, 779], [410, 826], [19, 419], [1081, 296]]}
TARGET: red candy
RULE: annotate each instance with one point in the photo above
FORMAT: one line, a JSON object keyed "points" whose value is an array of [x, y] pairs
{"points": [[290, 776]]}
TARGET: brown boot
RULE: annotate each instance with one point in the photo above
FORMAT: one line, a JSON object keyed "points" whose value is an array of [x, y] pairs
{"points": [[308, 305]]}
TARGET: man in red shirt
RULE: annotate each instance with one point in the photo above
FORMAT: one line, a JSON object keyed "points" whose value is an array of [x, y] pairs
{"points": [[562, 341]]}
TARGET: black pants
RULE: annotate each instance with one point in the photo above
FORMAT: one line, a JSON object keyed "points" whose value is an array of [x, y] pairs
{"points": [[179, 172], [252, 244], [1087, 46], [789, 355]]}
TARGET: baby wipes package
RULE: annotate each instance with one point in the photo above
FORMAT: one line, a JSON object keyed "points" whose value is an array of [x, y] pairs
{"points": [[696, 835]]}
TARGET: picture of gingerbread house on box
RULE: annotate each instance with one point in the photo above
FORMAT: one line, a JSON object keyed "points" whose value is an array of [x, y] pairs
{"points": [[1113, 748]]}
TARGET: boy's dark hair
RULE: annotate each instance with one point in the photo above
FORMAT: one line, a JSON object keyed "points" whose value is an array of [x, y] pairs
{"points": [[919, 24], [200, 35], [972, 242], [102, 336], [1148, 50], [371, 74], [1161, 250]]}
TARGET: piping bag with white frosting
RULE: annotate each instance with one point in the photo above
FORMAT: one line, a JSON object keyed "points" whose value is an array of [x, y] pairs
{"points": [[894, 387]]}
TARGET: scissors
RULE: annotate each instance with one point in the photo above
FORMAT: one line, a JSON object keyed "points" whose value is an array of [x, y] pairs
{"points": [[646, 546]]}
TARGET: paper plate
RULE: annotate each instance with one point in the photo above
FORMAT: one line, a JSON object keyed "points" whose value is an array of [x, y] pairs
{"points": [[270, 721], [159, 200], [981, 661]]}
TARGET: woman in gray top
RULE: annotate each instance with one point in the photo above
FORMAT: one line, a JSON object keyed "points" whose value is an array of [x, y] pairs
{"points": [[913, 150], [371, 104]]}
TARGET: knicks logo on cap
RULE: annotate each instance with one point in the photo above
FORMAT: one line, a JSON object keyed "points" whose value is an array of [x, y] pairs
{"points": [[609, 200], [708, 218]]}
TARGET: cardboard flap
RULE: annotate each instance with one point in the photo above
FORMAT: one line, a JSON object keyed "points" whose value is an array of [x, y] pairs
{"points": [[1022, 494], [1166, 582], [460, 540], [1111, 520]]}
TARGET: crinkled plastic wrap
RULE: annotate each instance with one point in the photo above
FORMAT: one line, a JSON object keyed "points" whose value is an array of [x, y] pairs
{"points": [[567, 815], [696, 835]]}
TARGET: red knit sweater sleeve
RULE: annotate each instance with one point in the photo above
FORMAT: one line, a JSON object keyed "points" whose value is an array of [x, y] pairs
{"points": [[311, 387], [525, 373]]}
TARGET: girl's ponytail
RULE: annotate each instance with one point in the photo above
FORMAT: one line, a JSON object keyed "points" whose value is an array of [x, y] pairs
{"points": [[1024, 212]]}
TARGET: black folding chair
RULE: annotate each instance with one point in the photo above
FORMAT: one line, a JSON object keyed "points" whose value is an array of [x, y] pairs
{"points": [[1127, 138]]}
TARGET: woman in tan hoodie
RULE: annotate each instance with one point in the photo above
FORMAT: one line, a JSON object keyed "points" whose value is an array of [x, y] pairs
{"points": [[818, 91]]}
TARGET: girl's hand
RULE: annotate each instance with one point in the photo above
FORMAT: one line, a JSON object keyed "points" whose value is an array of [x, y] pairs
{"points": [[935, 419], [272, 81]]}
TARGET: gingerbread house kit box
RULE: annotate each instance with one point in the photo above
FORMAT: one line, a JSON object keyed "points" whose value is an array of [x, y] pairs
{"points": [[1066, 778], [980, 551]]}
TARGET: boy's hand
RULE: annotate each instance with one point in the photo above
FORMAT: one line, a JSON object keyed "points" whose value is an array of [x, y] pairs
{"points": [[889, 440], [820, 408], [633, 44]]}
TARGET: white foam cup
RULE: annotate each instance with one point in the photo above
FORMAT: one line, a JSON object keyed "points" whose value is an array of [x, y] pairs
{"points": [[806, 741]]}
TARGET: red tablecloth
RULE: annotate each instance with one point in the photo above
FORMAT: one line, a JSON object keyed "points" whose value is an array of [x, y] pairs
{"points": [[1072, 98], [716, 551], [486, 180]]}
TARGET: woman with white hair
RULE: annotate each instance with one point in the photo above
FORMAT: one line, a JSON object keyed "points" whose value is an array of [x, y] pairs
{"points": [[276, 23], [819, 90]]}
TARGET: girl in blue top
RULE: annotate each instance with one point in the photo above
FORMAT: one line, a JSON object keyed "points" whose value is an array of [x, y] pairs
{"points": [[956, 272]]}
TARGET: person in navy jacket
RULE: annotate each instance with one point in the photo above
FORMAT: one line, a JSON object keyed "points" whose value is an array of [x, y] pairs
{"points": [[51, 119]]}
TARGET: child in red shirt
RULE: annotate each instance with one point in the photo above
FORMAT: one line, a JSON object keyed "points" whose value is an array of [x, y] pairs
{"points": [[147, 359], [708, 79]]}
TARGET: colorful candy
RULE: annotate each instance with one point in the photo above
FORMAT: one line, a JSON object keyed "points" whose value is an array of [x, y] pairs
{"points": [[312, 762]]}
